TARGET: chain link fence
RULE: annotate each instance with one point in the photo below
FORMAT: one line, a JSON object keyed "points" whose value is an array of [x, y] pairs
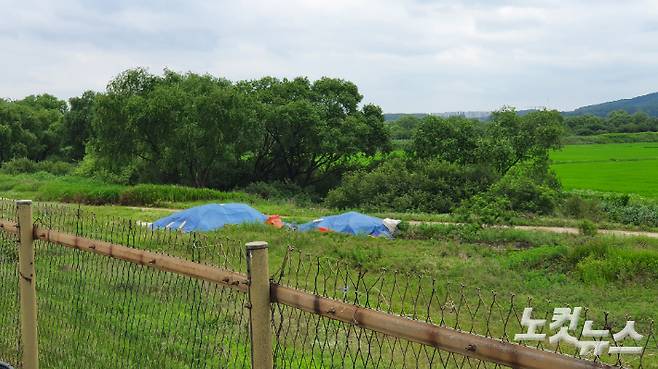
{"points": [[95, 309], [322, 342], [9, 304], [103, 312]]}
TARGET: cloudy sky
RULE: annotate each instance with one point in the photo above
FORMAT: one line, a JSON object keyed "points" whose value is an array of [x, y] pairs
{"points": [[405, 55]]}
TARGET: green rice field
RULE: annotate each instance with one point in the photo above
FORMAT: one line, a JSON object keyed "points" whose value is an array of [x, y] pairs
{"points": [[626, 168]]}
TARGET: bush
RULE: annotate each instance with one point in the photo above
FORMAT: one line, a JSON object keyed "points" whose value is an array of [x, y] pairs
{"points": [[485, 209], [594, 261], [543, 257], [90, 191], [607, 138], [640, 215], [411, 185], [24, 165], [587, 228], [529, 187], [79, 191], [613, 207], [92, 167], [577, 207], [76, 190]]}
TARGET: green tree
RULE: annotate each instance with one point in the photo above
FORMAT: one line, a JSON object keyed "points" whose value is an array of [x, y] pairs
{"points": [[191, 129], [311, 129], [453, 139], [510, 139], [403, 127], [76, 127], [31, 127]]}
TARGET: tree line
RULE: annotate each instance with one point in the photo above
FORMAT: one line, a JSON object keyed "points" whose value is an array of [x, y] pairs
{"points": [[316, 136], [200, 130], [618, 121]]}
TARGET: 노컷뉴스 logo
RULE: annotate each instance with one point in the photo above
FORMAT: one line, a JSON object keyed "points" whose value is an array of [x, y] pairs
{"points": [[565, 320]]}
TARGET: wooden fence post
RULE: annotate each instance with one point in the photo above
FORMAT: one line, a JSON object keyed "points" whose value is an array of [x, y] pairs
{"points": [[27, 283], [259, 304]]}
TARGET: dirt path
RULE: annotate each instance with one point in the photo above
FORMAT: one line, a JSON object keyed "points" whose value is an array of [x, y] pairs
{"points": [[566, 230]]}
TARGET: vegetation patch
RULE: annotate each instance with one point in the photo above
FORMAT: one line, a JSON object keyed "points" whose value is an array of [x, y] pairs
{"points": [[47, 187], [622, 168]]}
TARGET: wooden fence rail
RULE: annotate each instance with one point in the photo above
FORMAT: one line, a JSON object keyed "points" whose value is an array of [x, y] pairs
{"points": [[443, 338]]}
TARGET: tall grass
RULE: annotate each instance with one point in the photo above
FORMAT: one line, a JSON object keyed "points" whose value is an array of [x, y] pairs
{"points": [[72, 189]]}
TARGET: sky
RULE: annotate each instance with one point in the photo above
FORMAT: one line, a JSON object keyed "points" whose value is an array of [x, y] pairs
{"points": [[405, 55]]}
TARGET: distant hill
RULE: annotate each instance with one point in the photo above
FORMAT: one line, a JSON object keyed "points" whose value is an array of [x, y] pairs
{"points": [[645, 103]]}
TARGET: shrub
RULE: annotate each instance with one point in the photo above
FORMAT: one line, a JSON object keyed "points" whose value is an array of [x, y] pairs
{"points": [[640, 215], [529, 187], [598, 261], [542, 257], [613, 207], [594, 261], [78, 190], [92, 167], [24, 165], [581, 208], [587, 228], [485, 209], [411, 185]]}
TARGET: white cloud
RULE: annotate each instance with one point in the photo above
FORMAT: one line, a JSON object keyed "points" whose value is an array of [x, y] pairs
{"points": [[405, 55]]}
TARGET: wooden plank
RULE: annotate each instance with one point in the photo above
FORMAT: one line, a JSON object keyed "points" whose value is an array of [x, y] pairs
{"points": [[447, 339], [7, 226], [150, 259]]}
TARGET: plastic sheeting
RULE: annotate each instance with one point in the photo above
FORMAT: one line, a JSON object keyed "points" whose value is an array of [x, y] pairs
{"points": [[350, 223], [210, 217]]}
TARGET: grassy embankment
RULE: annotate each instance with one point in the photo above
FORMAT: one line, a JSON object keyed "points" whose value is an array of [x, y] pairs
{"points": [[119, 200]]}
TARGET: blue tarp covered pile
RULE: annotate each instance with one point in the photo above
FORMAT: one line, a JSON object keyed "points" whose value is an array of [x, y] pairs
{"points": [[350, 223], [210, 217]]}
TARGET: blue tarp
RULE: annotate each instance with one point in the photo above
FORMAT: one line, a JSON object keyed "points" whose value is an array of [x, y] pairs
{"points": [[210, 217], [350, 223]]}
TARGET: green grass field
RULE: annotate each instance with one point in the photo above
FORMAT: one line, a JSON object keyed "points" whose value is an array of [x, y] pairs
{"points": [[624, 168], [602, 273]]}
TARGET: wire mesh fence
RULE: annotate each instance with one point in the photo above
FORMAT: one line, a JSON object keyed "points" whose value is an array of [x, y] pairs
{"points": [[219, 251], [9, 305], [319, 342], [107, 313], [102, 312]]}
